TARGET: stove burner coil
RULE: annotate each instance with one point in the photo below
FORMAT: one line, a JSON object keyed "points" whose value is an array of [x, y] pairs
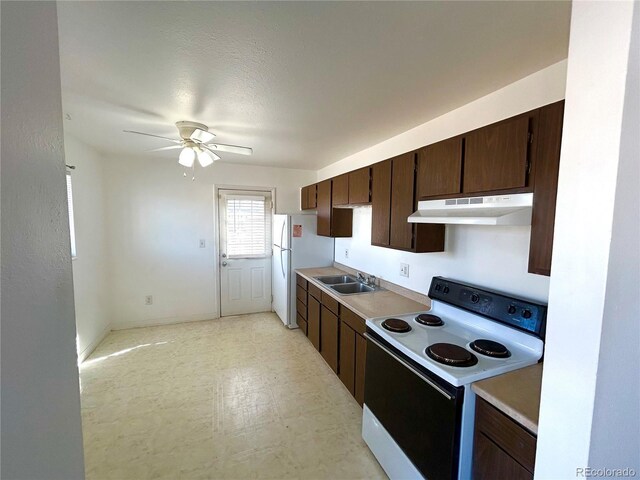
{"points": [[429, 320], [450, 354], [490, 348], [396, 325]]}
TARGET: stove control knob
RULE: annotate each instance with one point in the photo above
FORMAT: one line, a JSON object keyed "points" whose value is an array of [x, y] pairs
{"points": [[445, 289], [475, 298], [526, 313], [511, 310], [438, 287]]}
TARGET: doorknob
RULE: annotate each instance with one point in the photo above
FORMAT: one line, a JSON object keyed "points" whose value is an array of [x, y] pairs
{"points": [[224, 264]]}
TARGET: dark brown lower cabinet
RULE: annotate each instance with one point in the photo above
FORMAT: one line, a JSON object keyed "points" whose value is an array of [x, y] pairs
{"points": [[502, 448], [313, 321], [302, 323], [329, 337], [353, 351], [347, 356], [361, 360]]}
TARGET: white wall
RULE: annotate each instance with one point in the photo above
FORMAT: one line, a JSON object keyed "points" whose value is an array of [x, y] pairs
{"points": [[155, 218], [91, 289], [589, 404], [41, 429], [470, 251]]}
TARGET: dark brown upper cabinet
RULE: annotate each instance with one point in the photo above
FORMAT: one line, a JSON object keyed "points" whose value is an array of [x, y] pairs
{"points": [[308, 197], [360, 186], [381, 203], [545, 172], [440, 168], [311, 196], [332, 222], [340, 192], [393, 200], [496, 157], [402, 200]]}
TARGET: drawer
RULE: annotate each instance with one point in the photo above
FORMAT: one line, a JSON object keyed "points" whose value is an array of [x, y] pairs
{"points": [[301, 309], [315, 291], [509, 435], [355, 321], [330, 302], [301, 281], [301, 294], [302, 323]]}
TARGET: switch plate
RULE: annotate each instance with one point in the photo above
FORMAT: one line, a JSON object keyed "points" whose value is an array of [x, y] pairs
{"points": [[202, 243], [346, 253], [404, 270], [148, 300]]}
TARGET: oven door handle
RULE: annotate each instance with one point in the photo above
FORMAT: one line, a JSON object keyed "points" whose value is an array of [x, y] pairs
{"points": [[409, 366]]}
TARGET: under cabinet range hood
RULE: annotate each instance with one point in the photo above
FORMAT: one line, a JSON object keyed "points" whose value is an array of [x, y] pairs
{"points": [[512, 209]]}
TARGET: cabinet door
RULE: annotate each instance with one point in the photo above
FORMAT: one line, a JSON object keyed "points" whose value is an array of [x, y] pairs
{"points": [[402, 200], [381, 203], [329, 338], [340, 192], [547, 163], [360, 186], [361, 360], [304, 198], [347, 356], [313, 321], [311, 196], [491, 462], [440, 168], [496, 156], [324, 208]]}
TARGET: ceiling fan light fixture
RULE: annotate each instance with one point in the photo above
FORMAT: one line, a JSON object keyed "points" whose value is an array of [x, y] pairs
{"points": [[204, 158], [187, 157]]}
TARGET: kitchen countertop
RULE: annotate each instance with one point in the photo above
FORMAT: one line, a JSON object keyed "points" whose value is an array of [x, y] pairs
{"points": [[516, 394], [368, 305]]}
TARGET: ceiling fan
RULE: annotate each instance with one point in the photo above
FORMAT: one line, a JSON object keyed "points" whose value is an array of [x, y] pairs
{"points": [[195, 143]]}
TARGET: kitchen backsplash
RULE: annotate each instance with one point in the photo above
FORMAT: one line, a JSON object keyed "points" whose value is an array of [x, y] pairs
{"points": [[489, 256]]}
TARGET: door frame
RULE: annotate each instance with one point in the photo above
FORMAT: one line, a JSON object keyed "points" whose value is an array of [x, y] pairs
{"points": [[216, 230]]}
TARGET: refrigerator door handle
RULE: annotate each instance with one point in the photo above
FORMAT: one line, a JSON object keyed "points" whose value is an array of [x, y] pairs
{"points": [[282, 265]]}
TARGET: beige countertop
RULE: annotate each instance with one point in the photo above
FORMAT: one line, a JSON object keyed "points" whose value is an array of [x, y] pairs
{"points": [[516, 393], [367, 305]]}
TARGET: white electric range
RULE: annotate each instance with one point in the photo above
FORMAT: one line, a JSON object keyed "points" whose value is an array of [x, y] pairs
{"points": [[419, 408]]}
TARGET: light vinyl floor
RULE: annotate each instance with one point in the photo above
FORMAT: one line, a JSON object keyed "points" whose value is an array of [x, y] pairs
{"points": [[234, 398]]}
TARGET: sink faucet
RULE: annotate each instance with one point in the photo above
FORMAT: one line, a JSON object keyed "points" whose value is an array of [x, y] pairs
{"points": [[366, 279], [361, 277]]}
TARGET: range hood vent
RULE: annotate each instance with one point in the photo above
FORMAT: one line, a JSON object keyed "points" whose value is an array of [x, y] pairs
{"points": [[493, 210]]}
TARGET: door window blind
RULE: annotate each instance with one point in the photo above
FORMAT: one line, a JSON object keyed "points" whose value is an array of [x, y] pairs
{"points": [[248, 226]]}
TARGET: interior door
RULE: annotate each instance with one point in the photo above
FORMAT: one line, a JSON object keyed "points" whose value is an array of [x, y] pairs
{"points": [[245, 251]]}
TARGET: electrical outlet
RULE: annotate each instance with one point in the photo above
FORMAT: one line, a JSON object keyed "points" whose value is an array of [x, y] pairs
{"points": [[148, 300], [404, 270], [346, 253], [202, 243]]}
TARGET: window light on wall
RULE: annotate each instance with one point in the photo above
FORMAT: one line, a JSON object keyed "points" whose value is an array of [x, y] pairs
{"points": [[72, 226]]}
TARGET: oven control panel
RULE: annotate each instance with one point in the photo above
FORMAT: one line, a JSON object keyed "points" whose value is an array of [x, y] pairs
{"points": [[516, 312]]}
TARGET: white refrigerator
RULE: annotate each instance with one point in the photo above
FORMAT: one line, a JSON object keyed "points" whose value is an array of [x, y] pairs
{"points": [[295, 245]]}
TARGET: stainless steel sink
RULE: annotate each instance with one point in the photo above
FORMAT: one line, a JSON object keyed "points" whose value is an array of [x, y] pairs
{"points": [[352, 288], [336, 279]]}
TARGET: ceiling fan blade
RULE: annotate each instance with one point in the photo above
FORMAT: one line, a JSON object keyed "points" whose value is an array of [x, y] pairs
{"points": [[151, 135], [213, 154], [202, 135], [170, 147], [230, 148]]}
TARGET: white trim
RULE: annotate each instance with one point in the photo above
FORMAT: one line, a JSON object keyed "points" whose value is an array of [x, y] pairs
{"points": [[88, 350], [152, 322]]}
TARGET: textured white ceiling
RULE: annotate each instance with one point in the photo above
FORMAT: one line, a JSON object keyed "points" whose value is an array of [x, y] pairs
{"points": [[302, 83]]}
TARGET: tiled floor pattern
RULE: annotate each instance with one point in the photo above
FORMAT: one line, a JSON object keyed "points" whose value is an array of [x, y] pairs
{"points": [[234, 398]]}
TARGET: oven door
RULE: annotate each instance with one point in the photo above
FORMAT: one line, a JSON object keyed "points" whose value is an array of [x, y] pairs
{"points": [[420, 411]]}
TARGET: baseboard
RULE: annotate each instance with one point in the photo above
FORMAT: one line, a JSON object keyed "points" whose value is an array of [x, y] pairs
{"points": [[82, 356], [154, 322]]}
